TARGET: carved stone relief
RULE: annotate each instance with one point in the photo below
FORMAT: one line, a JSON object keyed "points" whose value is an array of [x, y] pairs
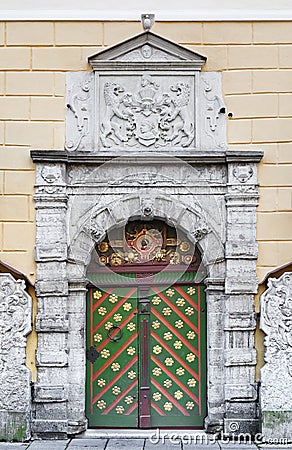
{"points": [[79, 117], [276, 375], [212, 115], [15, 324], [147, 110], [147, 53]]}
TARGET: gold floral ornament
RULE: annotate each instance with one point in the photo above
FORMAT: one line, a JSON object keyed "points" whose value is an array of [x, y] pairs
{"points": [[157, 396], [180, 371], [103, 247], [131, 326], [118, 317], [170, 292], [184, 246], [167, 383], [177, 345], [101, 404], [101, 382], [102, 311], [166, 311], [167, 336], [168, 406], [157, 349], [156, 300], [157, 371], [179, 324], [192, 382], [169, 361], [129, 399], [191, 290], [174, 258], [116, 390], [97, 337], [190, 357], [108, 325], [105, 353], [113, 298], [191, 335], [189, 311], [116, 260], [180, 302], [155, 324], [132, 374], [178, 395], [115, 367], [127, 306], [120, 409], [131, 351], [190, 405], [97, 295]]}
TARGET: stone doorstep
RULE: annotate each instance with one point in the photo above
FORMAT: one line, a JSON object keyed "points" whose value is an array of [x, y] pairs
{"points": [[140, 434]]}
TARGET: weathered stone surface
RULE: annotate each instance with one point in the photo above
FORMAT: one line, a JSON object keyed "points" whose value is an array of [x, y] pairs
{"points": [[15, 320], [276, 375]]}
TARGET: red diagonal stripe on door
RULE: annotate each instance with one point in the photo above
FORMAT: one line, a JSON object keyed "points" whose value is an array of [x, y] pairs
{"points": [[131, 409], [113, 334], [175, 355], [174, 308], [173, 377], [99, 301], [186, 297], [174, 331], [120, 397], [157, 409], [169, 397], [115, 308], [114, 380], [116, 355]]}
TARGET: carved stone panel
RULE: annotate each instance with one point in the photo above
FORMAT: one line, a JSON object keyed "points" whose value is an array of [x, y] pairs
{"points": [[276, 375], [15, 324], [146, 111], [79, 116]]}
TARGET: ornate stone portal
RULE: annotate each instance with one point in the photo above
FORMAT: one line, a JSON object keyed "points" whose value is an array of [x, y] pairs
{"points": [[145, 140], [276, 375]]}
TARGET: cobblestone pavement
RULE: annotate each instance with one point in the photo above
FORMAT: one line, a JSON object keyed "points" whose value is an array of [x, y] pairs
{"points": [[135, 444]]}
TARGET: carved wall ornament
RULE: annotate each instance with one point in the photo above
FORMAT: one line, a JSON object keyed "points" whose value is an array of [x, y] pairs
{"points": [[78, 105], [242, 173], [15, 324], [148, 117], [276, 322], [147, 53], [147, 207], [200, 232], [51, 174], [214, 110]]}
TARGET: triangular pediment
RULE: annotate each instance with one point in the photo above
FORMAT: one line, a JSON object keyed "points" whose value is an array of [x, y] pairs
{"points": [[147, 48]]}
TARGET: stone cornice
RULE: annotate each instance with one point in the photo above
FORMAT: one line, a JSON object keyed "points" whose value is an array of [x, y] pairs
{"points": [[206, 157]]}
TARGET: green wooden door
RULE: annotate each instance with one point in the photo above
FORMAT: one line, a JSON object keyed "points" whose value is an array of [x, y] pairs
{"points": [[112, 379], [151, 368]]}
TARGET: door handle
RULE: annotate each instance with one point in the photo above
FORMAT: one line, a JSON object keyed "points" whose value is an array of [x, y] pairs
{"points": [[118, 336]]}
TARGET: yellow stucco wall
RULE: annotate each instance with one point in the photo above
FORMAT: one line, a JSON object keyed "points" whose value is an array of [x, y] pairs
{"points": [[256, 64]]}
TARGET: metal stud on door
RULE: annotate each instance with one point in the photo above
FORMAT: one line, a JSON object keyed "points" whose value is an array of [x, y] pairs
{"points": [[112, 372]]}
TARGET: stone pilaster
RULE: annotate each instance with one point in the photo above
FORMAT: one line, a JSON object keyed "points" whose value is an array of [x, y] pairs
{"points": [[51, 389], [241, 283]]}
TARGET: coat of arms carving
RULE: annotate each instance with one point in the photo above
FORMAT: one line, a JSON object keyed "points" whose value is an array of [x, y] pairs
{"points": [[151, 116]]}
